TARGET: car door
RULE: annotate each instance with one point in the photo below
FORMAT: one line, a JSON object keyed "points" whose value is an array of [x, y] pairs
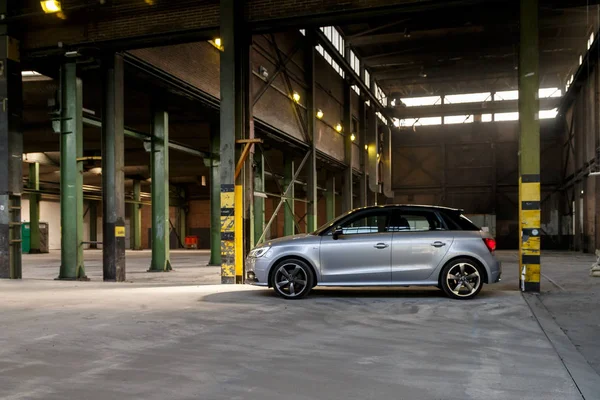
{"points": [[419, 244], [361, 254]]}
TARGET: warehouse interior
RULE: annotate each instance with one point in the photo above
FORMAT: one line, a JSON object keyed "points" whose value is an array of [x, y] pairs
{"points": [[146, 146]]}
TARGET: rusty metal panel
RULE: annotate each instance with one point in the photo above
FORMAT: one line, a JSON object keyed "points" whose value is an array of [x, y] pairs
{"points": [[329, 142], [418, 166]]}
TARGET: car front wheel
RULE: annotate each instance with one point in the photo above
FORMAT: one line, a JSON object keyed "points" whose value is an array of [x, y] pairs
{"points": [[462, 279], [292, 279]]}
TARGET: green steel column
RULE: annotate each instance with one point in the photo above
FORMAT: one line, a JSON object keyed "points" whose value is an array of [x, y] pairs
{"points": [[79, 180], [113, 176], [160, 193], [372, 152], [11, 151], [71, 127], [136, 217], [181, 223], [363, 182], [347, 196], [259, 201], [312, 177], [289, 217], [93, 224], [529, 149], [34, 208], [330, 196], [215, 198]]}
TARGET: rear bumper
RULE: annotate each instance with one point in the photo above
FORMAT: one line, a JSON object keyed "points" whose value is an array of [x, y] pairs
{"points": [[495, 272]]}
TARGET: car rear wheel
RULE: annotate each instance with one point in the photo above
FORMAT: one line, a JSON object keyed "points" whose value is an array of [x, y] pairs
{"points": [[462, 279], [292, 279]]}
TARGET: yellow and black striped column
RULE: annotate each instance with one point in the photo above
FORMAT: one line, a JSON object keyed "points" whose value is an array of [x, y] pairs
{"points": [[529, 149], [227, 234], [529, 212]]}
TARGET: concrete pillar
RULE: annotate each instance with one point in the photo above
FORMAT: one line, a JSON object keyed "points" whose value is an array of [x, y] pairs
{"points": [[113, 177], [160, 193], [259, 201], [135, 221], [71, 208], [289, 215], [215, 198], [529, 149], [34, 208], [11, 150], [348, 178], [312, 177]]}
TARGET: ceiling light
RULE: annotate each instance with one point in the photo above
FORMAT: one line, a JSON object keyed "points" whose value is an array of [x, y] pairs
{"points": [[320, 114], [50, 6], [338, 127], [353, 137], [296, 97]]}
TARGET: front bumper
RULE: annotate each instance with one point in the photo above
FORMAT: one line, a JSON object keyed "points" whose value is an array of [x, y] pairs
{"points": [[256, 271]]}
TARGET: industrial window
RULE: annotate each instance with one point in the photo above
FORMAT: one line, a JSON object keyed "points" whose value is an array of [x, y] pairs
{"points": [[486, 118], [330, 60], [356, 89], [354, 63], [335, 38], [421, 101], [303, 32], [544, 93], [548, 114], [380, 95], [591, 41], [381, 117], [421, 121], [367, 79], [509, 116], [467, 98], [458, 119]]}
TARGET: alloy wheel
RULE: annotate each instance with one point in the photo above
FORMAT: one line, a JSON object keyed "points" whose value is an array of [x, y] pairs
{"points": [[463, 279], [291, 280]]}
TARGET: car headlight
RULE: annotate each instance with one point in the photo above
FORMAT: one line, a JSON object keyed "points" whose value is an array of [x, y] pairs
{"points": [[259, 252]]}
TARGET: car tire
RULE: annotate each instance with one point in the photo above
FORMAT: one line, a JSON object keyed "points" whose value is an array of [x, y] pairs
{"points": [[462, 279], [292, 279]]}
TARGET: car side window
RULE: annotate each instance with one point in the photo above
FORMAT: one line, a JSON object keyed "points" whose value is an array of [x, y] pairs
{"points": [[415, 221], [365, 223]]}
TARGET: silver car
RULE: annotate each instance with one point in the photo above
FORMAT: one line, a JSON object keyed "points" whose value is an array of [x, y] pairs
{"points": [[381, 246]]}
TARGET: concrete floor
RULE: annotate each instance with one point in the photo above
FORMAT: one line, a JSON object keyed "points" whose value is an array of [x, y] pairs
{"points": [[180, 336]]}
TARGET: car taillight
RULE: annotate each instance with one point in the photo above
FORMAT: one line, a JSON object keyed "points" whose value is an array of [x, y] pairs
{"points": [[490, 244]]}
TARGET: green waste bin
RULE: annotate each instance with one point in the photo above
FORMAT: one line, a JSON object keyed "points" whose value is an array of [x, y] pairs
{"points": [[26, 238]]}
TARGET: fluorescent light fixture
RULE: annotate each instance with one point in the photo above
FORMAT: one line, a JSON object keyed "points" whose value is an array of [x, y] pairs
{"points": [[260, 194], [597, 173], [51, 6]]}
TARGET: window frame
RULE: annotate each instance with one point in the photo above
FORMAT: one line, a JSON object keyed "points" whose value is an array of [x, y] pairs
{"points": [[349, 218], [417, 211]]}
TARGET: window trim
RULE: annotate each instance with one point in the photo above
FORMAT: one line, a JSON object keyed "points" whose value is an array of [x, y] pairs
{"points": [[358, 214]]}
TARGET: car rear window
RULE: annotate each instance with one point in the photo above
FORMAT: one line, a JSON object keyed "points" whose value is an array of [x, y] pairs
{"points": [[457, 221]]}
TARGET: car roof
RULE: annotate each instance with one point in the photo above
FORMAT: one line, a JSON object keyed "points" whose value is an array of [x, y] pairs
{"points": [[422, 206]]}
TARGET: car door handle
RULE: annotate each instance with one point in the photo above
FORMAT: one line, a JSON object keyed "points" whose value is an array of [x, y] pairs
{"points": [[438, 244], [381, 246]]}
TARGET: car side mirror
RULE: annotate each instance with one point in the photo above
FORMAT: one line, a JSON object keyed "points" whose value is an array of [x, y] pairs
{"points": [[337, 233]]}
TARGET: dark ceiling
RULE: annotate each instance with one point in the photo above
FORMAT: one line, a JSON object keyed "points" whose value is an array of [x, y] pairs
{"points": [[469, 48]]}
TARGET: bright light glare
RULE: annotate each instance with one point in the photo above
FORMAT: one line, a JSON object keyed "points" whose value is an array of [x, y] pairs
{"points": [[421, 101], [50, 6]]}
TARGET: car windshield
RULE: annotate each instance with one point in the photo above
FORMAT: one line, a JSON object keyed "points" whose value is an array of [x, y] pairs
{"points": [[331, 223]]}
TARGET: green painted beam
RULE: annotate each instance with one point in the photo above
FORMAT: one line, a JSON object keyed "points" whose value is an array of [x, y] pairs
{"points": [[135, 223], [348, 178], [71, 262], [330, 197], [289, 227], [182, 219], [34, 209], [311, 111], [160, 193], [215, 199]]}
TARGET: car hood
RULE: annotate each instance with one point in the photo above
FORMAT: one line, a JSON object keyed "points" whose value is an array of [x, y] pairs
{"points": [[289, 239]]}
